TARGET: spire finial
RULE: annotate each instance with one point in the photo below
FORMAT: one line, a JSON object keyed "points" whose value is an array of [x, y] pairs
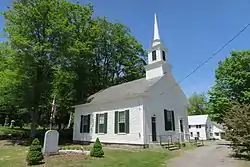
{"points": [[156, 30]]}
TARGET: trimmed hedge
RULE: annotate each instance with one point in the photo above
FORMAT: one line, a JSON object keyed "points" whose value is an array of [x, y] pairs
{"points": [[97, 149], [35, 155]]}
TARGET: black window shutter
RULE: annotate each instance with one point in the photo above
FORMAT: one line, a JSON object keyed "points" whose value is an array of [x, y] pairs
{"points": [[127, 121], [163, 55], [81, 124], [105, 122], [116, 122], [173, 120], [96, 123], [165, 120], [88, 123]]}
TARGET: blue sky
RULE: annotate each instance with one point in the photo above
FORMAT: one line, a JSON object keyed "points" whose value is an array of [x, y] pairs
{"points": [[191, 30]]}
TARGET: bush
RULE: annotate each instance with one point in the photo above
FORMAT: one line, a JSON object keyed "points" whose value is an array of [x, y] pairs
{"points": [[237, 121], [97, 149], [35, 155]]}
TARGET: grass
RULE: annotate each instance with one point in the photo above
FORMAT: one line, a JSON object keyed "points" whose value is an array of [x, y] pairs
{"points": [[12, 156], [7, 130]]}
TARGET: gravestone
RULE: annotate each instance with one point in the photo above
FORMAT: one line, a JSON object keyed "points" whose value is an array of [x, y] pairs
{"points": [[50, 145], [6, 121], [12, 123]]}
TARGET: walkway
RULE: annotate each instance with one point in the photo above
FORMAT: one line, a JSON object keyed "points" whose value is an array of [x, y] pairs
{"points": [[214, 155]]}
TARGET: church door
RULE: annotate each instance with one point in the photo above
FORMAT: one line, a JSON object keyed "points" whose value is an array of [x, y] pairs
{"points": [[153, 128]]}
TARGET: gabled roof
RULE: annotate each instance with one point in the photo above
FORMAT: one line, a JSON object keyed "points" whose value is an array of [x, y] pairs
{"points": [[219, 126], [197, 119], [125, 90]]}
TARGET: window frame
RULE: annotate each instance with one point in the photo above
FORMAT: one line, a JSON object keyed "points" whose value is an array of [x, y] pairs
{"points": [[169, 116], [85, 124], [191, 134], [198, 126], [103, 124], [121, 122]]}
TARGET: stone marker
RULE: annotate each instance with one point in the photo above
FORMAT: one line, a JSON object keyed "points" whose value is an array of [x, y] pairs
{"points": [[50, 145]]}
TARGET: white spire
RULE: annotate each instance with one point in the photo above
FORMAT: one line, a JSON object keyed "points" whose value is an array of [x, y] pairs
{"points": [[156, 30]]}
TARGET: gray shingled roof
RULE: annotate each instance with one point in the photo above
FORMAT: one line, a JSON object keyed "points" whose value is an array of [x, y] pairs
{"points": [[220, 126], [122, 91]]}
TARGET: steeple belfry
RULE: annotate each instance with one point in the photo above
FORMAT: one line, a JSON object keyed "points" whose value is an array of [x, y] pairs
{"points": [[156, 30], [157, 61]]}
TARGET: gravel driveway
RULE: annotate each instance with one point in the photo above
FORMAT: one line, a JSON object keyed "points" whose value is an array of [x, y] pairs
{"points": [[212, 155]]}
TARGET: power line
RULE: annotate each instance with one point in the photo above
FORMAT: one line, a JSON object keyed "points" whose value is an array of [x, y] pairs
{"points": [[213, 55]]}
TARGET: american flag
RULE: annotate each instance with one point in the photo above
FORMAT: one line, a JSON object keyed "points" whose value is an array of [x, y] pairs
{"points": [[53, 111]]}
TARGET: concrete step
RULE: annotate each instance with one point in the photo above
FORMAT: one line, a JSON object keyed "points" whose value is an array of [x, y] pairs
{"points": [[167, 144], [199, 144], [173, 148]]}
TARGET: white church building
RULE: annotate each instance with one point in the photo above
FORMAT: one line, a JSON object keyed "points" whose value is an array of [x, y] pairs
{"points": [[140, 112]]}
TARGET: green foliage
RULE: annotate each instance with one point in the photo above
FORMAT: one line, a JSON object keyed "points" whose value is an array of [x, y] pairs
{"points": [[35, 155], [198, 104], [57, 47], [97, 149], [237, 121], [232, 84]]}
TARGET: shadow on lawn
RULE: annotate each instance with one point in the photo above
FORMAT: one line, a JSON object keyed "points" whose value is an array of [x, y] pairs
{"points": [[22, 136], [39, 163], [240, 156]]}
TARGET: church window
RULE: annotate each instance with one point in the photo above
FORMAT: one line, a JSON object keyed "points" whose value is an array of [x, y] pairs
{"points": [[85, 124], [122, 121], [101, 123], [169, 120], [154, 55], [163, 55]]}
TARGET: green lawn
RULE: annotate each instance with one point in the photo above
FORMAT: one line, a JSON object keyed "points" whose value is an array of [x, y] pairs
{"points": [[6, 130], [14, 156]]}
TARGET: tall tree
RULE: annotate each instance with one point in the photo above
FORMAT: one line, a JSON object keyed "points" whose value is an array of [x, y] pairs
{"points": [[197, 104], [40, 31], [10, 83], [232, 84], [238, 128], [60, 49]]}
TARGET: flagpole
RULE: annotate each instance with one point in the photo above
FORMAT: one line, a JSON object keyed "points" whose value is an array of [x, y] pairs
{"points": [[52, 112]]}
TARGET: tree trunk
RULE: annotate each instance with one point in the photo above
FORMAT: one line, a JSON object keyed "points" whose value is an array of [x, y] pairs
{"points": [[59, 126], [33, 122]]}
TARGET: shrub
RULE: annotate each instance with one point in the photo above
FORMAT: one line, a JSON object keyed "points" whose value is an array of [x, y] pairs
{"points": [[35, 155], [237, 131], [97, 149]]}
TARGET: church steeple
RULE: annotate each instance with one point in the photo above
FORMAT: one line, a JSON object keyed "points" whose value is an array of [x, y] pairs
{"points": [[157, 65], [156, 30]]}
